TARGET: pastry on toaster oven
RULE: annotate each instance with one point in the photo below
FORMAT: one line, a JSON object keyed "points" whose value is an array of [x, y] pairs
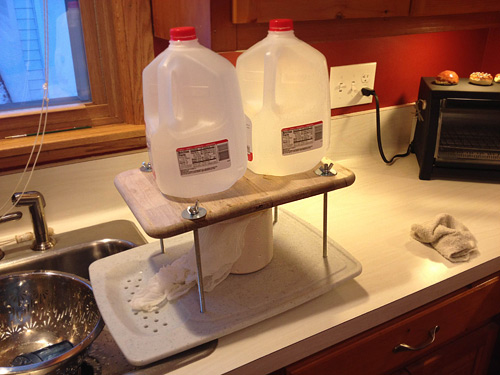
{"points": [[481, 78], [446, 77]]}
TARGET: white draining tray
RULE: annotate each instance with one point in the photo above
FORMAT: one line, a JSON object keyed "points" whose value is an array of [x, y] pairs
{"points": [[297, 274]]}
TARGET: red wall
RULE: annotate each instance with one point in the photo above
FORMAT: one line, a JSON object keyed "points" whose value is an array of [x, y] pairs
{"points": [[491, 61], [402, 60]]}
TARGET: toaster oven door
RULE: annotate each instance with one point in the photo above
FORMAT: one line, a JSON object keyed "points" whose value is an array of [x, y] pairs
{"points": [[468, 134]]}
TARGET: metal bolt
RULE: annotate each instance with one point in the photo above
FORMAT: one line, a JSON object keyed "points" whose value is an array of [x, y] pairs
{"points": [[146, 167], [194, 212], [326, 170]]}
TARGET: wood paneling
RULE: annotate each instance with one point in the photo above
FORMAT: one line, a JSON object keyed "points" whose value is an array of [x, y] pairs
{"points": [[175, 13], [258, 11], [230, 25], [133, 53], [444, 7], [351, 29]]}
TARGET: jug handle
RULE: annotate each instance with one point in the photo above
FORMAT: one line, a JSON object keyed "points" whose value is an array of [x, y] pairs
{"points": [[269, 95], [166, 112]]}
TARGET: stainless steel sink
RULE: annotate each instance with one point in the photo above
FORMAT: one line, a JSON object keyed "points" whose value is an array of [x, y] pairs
{"points": [[75, 250]]}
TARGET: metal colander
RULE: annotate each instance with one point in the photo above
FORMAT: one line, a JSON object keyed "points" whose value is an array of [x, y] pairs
{"points": [[43, 310]]}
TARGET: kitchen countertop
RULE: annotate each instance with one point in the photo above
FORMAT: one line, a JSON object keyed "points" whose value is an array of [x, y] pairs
{"points": [[370, 219]]}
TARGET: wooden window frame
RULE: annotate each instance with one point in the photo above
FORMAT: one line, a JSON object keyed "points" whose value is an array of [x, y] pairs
{"points": [[119, 44]]}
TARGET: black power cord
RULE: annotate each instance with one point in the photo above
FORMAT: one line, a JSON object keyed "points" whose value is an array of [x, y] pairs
{"points": [[367, 92]]}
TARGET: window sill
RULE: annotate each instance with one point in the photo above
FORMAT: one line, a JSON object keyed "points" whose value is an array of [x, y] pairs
{"points": [[71, 146]]}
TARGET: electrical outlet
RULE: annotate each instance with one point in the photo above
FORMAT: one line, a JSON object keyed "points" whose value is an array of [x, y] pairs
{"points": [[347, 81]]}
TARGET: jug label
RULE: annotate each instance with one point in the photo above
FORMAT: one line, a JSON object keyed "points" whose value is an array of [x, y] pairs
{"points": [[302, 138], [204, 158], [248, 123]]}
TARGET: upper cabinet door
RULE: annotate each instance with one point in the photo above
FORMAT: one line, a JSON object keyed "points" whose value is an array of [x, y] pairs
{"points": [[259, 11], [447, 7], [230, 25]]}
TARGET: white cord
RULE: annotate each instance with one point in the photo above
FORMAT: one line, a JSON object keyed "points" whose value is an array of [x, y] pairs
{"points": [[43, 117], [28, 236]]}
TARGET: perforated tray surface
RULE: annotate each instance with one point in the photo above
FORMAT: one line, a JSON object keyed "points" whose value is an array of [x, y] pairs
{"points": [[297, 274]]}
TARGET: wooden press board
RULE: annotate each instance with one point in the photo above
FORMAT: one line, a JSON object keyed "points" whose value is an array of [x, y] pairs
{"points": [[160, 215]]}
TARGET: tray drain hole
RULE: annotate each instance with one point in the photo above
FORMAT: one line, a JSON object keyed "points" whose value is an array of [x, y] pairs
{"points": [[154, 324]]}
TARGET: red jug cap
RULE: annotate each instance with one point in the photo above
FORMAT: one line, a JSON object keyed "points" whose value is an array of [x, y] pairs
{"points": [[183, 33], [281, 24]]}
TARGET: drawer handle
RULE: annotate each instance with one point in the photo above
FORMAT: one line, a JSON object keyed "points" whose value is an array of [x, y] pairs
{"points": [[404, 347]]}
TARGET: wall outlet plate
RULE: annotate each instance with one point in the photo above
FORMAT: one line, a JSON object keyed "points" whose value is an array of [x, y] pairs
{"points": [[347, 81]]}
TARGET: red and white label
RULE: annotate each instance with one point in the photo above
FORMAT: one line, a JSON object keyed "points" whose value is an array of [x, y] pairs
{"points": [[204, 158], [248, 123], [302, 138]]}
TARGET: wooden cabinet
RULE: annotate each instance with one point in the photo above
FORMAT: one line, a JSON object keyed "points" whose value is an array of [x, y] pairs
{"points": [[248, 11], [446, 7], [230, 25], [462, 345], [468, 355]]}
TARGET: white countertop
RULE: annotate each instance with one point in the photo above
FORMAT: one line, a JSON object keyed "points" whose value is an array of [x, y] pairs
{"points": [[371, 219]]}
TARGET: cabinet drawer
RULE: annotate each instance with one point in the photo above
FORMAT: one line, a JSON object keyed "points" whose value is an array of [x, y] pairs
{"points": [[373, 352], [470, 354]]}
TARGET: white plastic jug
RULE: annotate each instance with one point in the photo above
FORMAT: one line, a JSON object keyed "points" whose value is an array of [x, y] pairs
{"points": [[195, 124], [285, 91]]}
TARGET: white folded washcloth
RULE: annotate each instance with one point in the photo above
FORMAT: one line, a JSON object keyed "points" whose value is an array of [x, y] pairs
{"points": [[221, 245], [448, 236]]}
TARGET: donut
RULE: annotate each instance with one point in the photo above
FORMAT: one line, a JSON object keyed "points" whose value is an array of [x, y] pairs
{"points": [[447, 77], [481, 78]]}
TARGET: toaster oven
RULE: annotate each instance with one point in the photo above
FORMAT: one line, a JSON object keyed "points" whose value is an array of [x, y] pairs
{"points": [[458, 129]]}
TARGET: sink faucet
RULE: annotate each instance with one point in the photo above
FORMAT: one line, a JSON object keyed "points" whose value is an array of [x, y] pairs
{"points": [[11, 217], [36, 203]]}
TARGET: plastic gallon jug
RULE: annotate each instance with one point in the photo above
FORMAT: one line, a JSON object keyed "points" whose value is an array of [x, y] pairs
{"points": [[195, 124], [285, 91]]}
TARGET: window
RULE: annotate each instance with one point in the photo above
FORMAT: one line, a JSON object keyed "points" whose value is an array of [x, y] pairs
{"points": [[118, 45], [22, 69]]}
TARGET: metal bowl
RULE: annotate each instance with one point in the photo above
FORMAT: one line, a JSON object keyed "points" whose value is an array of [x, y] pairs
{"points": [[40, 311]]}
